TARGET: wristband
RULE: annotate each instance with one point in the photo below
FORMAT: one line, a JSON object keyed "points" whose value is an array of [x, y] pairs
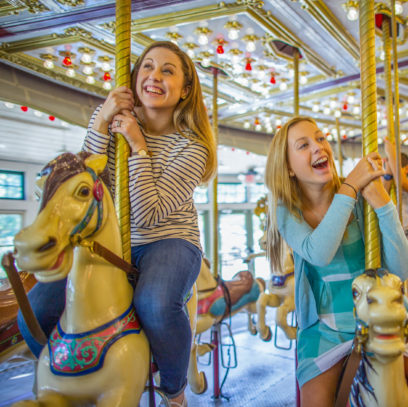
{"points": [[351, 186], [388, 177]]}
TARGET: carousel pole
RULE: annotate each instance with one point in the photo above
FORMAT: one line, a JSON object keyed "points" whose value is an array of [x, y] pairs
{"points": [[385, 27], [122, 152], [215, 330], [396, 109], [339, 153], [215, 258], [296, 82], [369, 122]]}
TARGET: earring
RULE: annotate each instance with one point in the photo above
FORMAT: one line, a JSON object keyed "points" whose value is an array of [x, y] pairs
{"points": [[291, 173]]}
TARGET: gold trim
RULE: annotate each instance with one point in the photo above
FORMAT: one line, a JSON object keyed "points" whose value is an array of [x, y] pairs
{"points": [[57, 73], [322, 14]]}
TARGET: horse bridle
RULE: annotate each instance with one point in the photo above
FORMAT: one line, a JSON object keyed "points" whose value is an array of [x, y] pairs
{"points": [[96, 203], [95, 247]]}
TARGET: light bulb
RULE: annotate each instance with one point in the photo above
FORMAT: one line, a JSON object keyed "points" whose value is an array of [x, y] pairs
{"points": [[337, 113], [48, 64], [88, 70], [350, 99], [202, 39], [258, 127], [333, 104], [326, 110], [86, 58], [233, 34], [70, 72], [106, 66], [107, 85], [250, 47], [246, 125], [206, 62], [283, 86], [356, 110], [315, 107], [191, 53], [303, 80], [398, 8], [90, 80], [352, 13]]}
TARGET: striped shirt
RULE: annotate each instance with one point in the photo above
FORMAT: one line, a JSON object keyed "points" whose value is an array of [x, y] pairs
{"points": [[161, 187]]}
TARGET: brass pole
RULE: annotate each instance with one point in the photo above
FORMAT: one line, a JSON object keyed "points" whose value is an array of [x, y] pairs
{"points": [[122, 78], [369, 121], [388, 88], [339, 153], [296, 82], [396, 110], [215, 261]]}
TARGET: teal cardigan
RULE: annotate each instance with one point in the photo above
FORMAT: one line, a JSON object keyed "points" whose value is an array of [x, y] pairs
{"points": [[318, 246]]}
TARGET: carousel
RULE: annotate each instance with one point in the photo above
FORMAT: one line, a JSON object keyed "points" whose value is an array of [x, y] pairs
{"points": [[259, 63]]}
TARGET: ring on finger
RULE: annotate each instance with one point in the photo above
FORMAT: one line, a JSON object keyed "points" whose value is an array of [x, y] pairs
{"points": [[118, 123]]}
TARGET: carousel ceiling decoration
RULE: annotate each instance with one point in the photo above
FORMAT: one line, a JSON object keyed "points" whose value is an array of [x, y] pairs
{"points": [[72, 42]]}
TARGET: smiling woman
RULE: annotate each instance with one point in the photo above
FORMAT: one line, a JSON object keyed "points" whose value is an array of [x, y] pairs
{"points": [[163, 118], [321, 219]]}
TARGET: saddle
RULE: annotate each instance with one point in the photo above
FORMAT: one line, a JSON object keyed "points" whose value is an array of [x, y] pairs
{"points": [[239, 291]]}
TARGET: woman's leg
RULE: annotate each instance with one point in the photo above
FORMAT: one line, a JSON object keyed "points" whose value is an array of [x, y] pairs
{"points": [[168, 269], [321, 390], [47, 301]]}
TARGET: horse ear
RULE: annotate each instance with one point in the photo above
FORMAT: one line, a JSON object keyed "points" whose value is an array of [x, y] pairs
{"points": [[97, 162]]}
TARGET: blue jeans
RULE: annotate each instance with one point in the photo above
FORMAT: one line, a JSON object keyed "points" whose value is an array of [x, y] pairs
{"points": [[168, 269]]}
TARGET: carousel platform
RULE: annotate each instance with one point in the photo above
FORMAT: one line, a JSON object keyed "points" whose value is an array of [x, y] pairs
{"points": [[264, 375]]}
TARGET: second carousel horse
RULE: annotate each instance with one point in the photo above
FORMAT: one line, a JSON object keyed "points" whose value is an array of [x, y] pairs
{"points": [[381, 319]]}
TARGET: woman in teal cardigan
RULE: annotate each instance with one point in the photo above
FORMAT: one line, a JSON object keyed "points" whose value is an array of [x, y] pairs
{"points": [[321, 219]]}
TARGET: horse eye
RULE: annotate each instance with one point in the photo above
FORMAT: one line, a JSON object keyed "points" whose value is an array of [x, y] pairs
{"points": [[355, 293], [84, 191]]}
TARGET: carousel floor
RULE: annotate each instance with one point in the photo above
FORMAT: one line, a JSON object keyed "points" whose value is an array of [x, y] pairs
{"points": [[264, 376]]}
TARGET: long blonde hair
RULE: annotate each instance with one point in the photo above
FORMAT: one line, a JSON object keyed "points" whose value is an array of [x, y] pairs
{"points": [[190, 113], [284, 189]]}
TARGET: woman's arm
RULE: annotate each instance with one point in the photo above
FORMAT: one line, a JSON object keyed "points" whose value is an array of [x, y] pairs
{"points": [[153, 200], [394, 242], [95, 142], [317, 246]]}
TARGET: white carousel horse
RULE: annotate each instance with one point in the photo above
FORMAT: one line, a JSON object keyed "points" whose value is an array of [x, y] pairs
{"points": [[216, 301], [280, 295], [98, 354], [381, 319]]}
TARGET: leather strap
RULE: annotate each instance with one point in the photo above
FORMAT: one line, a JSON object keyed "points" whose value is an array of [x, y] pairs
{"points": [[32, 323], [114, 259], [346, 380]]}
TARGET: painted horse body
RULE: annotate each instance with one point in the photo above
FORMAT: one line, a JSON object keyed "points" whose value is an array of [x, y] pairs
{"points": [[217, 300], [381, 321], [280, 295], [97, 292]]}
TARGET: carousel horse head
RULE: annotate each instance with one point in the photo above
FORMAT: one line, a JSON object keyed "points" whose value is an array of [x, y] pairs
{"points": [[71, 209], [381, 333]]}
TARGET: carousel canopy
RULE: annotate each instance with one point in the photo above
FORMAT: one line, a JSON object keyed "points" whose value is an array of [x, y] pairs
{"points": [[57, 60]]}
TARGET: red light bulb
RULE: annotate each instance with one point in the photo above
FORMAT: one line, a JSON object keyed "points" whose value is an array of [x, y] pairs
{"points": [[107, 76], [52, 118], [24, 108], [273, 80], [67, 61], [220, 49]]}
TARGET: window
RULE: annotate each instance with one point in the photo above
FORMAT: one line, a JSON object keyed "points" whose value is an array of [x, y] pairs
{"points": [[257, 191], [201, 195], [231, 193], [10, 224], [11, 185]]}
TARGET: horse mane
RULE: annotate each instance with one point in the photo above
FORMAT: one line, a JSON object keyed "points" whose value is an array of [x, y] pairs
{"points": [[61, 169], [361, 380]]}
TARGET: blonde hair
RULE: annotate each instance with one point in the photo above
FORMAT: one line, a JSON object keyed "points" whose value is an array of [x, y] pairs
{"points": [[284, 189], [190, 113]]}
